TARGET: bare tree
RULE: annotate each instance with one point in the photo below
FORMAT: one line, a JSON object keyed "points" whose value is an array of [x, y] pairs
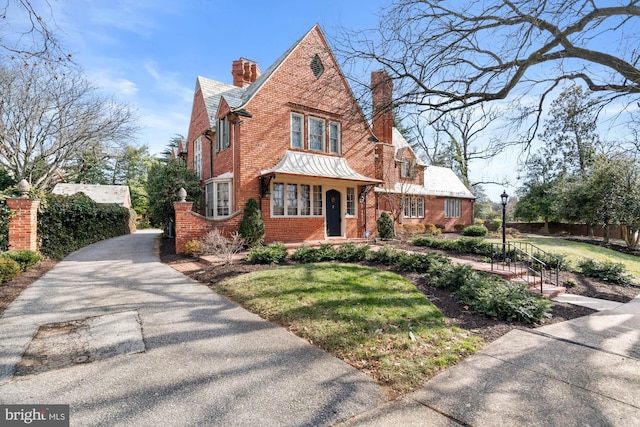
{"points": [[446, 56], [27, 32], [49, 119]]}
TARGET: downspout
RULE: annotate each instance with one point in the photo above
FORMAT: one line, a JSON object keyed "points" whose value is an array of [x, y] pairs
{"points": [[206, 135]]}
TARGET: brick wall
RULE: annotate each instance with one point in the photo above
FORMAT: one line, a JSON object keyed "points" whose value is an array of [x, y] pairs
{"points": [[190, 225], [23, 226]]}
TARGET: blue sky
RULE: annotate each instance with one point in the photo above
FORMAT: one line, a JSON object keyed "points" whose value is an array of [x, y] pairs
{"points": [[148, 53]]}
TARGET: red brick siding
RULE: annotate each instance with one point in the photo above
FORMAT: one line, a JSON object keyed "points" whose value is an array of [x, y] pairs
{"points": [[23, 226]]}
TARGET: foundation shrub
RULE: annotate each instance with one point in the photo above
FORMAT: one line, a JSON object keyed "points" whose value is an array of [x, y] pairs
{"points": [[192, 248], [385, 226], [386, 255]]}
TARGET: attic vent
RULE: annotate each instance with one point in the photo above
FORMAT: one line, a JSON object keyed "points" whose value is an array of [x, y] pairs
{"points": [[316, 66]]}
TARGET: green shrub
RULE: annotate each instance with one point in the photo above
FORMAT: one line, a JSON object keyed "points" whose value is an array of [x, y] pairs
{"points": [[493, 225], [385, 226], [305, 254], [453, 277], [5, 215], [497, 298], [459, 227], [421, 263], [192, 248], [8, 269], [606, 270], [25, 258], [386, 255], [272, 254], [251, 227], [475, 230], [348, 252], [553, 260], [570, 283]]}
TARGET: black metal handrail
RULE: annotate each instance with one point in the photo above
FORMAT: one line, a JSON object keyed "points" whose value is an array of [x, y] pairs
{"points": [[516, 259]]}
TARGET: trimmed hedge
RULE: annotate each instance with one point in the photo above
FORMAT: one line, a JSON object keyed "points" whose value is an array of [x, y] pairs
{"points": [[5, 212], [475, 230], [68, 223]]}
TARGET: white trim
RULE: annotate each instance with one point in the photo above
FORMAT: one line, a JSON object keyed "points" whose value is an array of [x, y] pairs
{"points": [[323, 135], [301, 117]]}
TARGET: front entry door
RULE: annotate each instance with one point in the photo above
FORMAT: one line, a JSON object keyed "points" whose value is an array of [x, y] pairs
{"points": [[333, 218]]}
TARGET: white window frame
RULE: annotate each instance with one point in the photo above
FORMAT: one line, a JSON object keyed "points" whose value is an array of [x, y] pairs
{"points": [[335, 141], [289, 200], [197, 156], [350, 208], [404, 168], [413, 207], [452, 208], [212, 200], [299, 132], [322, 135]]}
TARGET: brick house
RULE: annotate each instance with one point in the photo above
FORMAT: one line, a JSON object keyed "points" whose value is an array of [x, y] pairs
{"points": [[294, 139]]}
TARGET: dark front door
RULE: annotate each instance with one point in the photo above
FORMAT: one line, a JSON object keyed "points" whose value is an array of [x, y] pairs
{"points": [[333, 214]]}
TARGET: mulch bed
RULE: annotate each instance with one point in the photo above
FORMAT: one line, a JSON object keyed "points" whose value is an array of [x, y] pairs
{"points": [[489, 329], [12, 289]]}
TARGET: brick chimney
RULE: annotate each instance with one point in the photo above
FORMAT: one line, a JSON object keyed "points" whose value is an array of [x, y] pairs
{"points": [[382, 97], [244, 72]]}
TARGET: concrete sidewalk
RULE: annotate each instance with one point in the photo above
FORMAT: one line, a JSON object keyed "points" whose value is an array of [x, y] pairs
{"points": [[583, 372], [204, 361]]}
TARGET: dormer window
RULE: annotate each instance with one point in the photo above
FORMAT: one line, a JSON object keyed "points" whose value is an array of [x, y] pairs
{"points": [[316, 66]]}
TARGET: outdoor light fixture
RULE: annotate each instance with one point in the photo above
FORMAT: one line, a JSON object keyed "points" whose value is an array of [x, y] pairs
{"points": [[504, 197]]}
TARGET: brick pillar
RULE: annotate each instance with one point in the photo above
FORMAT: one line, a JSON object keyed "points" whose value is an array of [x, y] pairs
{"points": [[23, 226], [182, 225]]}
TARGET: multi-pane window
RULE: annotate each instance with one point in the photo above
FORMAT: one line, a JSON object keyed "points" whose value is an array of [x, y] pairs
{"points": [[297, 132], [296, 199], [452, 208], [334, 138], [277, 198], [351, 201], [292, 199], [404, 168], [413, 207], [316, 134], [197, 156], [222, 135], [317, 199], [218, 198], [305, 200]]}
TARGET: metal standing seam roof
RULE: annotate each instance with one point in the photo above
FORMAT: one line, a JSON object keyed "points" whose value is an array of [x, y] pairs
{"points": [[317, 165]]}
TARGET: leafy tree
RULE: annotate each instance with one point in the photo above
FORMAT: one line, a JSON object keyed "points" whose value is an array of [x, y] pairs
{"points": [[164, 181], [50, 118], [251, 226], [570, 133], [537, 201]]}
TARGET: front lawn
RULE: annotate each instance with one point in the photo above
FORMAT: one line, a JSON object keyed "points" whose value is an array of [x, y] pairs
{"points": [[375, 320]]}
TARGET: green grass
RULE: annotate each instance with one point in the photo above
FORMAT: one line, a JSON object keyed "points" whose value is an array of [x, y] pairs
{"points": [[577, 251], [374, 320]]}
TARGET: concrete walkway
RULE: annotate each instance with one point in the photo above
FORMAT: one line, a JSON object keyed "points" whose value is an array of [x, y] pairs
{"points": [[205, 361]]}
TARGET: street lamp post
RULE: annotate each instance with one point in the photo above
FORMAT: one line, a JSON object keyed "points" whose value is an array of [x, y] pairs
{"points": [[504, 197]]}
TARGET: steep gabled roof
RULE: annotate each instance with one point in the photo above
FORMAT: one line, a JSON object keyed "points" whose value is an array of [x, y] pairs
{"points": [[213, 91], [400, 143]]}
